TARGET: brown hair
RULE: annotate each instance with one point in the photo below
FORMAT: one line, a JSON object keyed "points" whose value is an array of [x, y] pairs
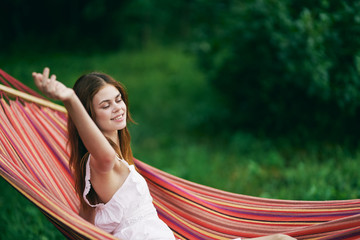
{"points": [[85, 88]]}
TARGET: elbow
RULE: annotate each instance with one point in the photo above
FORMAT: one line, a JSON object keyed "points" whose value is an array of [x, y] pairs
{"points": [[105, 162], [109, 156], [108, 161]]}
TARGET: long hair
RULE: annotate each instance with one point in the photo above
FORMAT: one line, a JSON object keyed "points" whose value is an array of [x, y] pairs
{"points": [[85, 88]]}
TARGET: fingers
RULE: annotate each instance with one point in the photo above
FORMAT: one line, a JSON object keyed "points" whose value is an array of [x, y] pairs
{"points": [[53, 77], [46, 73], [45, 77], [44, 83], [51, 85], [37, 79]]}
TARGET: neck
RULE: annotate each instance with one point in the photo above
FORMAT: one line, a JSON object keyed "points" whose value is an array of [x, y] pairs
{"points": [[113, 137]]}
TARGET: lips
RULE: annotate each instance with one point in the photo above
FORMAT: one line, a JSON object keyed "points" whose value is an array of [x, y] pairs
{"points": [[119, 117]]}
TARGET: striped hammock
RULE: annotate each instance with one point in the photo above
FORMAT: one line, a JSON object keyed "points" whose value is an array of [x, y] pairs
{"points": [[34, 160]]}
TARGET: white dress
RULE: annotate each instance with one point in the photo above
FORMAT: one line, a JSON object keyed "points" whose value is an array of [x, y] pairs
{"points": [[130, 213]]}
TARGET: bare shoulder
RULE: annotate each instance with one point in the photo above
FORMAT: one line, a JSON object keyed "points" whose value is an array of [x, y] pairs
{"points": [[107, 183]]}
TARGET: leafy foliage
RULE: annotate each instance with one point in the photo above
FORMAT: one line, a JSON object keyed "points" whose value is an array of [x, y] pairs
{"points": [[284, 67]]}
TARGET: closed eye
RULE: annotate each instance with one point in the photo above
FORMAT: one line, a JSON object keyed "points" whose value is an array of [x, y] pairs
{"points": [[107, 102]]}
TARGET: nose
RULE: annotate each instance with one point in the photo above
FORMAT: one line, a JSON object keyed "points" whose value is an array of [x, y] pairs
{"points": [[116, 108]]}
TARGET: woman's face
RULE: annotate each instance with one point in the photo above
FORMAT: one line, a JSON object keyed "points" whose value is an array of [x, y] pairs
{"points": [[109, 111]]}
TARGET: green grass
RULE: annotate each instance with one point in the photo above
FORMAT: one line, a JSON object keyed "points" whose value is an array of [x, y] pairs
{"points": [[21, 219], [168, 98]]}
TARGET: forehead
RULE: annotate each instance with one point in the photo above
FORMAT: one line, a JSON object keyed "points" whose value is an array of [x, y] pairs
{"points": [[107, 92]]}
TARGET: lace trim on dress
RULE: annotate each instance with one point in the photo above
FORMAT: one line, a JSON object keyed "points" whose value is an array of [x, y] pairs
{"points": [[88, 185]]}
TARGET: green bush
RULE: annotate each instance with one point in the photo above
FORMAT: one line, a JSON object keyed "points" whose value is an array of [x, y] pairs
{"points": [[283, 67]]}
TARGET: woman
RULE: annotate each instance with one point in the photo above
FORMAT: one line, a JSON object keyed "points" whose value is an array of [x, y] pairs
{"points": [[113, 195]]}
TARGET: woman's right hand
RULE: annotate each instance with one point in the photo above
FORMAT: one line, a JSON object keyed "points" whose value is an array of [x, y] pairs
{"points": [[50, 87]]}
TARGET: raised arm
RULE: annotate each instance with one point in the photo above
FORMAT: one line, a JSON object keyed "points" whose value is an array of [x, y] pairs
{"points": [[93, 139]]}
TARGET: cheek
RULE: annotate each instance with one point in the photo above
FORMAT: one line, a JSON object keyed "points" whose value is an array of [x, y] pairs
{"points": [[125, 107], [100, 116]]}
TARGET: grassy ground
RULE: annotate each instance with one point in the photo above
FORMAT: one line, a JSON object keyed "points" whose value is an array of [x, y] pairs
{"points": [[168, 97]]}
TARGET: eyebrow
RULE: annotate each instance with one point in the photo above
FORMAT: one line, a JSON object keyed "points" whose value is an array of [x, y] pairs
{"points": [[108, 100]]}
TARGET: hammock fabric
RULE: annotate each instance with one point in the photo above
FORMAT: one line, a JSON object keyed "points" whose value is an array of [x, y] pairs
{"points": [[34, 160]]}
